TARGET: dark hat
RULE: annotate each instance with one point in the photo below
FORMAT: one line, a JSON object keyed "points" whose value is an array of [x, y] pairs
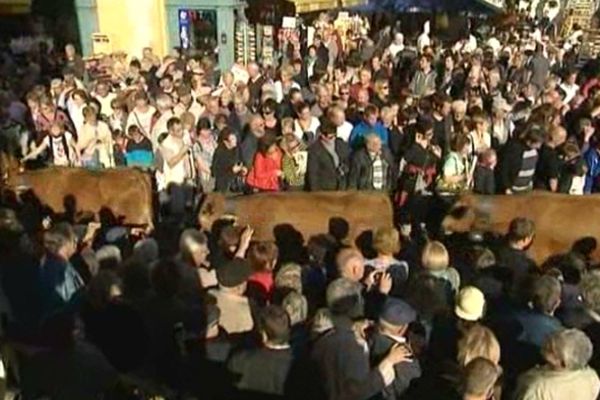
{"points": [[234, 273], [397, 312]]}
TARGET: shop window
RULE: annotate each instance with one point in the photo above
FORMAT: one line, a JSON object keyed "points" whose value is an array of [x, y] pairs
{"points": [[198, 31]]}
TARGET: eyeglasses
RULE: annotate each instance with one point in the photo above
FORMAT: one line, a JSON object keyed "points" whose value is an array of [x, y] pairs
{"points": [[344, 93]]}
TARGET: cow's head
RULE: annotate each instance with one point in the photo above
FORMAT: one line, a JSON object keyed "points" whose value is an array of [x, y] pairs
{"points": [[211, 210], [466, 215]]}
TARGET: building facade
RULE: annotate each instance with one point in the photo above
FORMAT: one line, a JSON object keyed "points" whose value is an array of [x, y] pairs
{"points": [[131, 25]]}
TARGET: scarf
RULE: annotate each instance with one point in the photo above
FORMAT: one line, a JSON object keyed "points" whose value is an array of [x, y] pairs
{"points": [[330, 147]]}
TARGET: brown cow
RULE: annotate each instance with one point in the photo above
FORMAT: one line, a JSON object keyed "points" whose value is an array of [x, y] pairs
{"points": [[560, 220], [126, 193], [309, 213]]}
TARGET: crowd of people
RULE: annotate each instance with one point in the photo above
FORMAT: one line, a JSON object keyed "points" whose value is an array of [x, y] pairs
{"points": [[92, 311]]}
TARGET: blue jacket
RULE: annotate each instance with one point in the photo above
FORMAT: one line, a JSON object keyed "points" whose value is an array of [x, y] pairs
{"points": [[140, 158], [357, 136], [592, 159], [536, 327]]}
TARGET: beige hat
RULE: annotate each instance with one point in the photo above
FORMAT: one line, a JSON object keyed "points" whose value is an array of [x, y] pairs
{"points": [[470, 304]]}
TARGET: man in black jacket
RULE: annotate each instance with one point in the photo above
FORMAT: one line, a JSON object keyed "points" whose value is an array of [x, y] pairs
{"points": [[327, 160], [518, 162], [341, 359], [512, 254], [392, 330], [373, 167], [264, 370], [249, 145]]}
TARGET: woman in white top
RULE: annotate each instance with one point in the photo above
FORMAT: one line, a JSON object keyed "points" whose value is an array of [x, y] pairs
{"points": [[164, 105], [305, 125], [104, 97], [481, 140], [455, 172], [77, 101], [501, 126], [142, 114], [283, 86], [203, 149], [61, 145], [387, 271], [95, 143]]}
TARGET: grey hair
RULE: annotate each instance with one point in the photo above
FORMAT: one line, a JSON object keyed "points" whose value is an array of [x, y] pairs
{"points": [[289, 277], [296, 306], [344, 297], [371, 136], [590, 290], [146, 251], [322, 321], [109, 252], [571, 347]]}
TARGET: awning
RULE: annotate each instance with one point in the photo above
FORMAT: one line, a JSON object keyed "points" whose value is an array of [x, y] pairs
{"points": [[475, 6], [496, 5], [11, 7], [306, 6], [353, 3]]}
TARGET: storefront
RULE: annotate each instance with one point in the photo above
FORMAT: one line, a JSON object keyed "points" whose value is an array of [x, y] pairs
{"points": [[202, 25]]}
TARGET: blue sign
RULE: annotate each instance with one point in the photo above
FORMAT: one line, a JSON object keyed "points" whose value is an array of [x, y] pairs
{"points": [[184, 29]]}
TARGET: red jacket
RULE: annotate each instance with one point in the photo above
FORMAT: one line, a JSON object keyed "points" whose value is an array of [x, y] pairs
{"points": [[263, 174], [261, 285]]}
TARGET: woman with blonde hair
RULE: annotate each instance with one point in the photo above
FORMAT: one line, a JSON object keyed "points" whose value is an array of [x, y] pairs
{"points": [[436, 262], [285, 83], [478, 341], [386, 242], [456, 172], [295, 157], [481, 140], [459, 113]]}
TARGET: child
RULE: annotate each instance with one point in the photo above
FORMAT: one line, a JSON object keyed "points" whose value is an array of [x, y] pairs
{"points": [[119, 148], [138, 149], [61, 146], [484, 181]]}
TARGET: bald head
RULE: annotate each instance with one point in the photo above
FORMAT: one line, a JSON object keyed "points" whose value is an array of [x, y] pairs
{"points": [[350, 264], [558, 136]]}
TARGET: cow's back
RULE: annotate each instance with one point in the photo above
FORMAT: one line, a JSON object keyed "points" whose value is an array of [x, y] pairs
{"points": [[560, 219], [312, 213], [125, 193]]}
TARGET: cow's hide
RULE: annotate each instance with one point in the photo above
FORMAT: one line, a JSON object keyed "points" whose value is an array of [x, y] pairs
{"points": [[123, 195], [347, 214], [560, 220]]}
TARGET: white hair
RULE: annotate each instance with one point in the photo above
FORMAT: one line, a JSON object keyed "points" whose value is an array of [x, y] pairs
{"points": [[571, 347], [164, 102], [108, 252]]}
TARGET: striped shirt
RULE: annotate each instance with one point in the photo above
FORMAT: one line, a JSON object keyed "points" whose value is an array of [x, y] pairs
{"points": [[524, 181]]}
